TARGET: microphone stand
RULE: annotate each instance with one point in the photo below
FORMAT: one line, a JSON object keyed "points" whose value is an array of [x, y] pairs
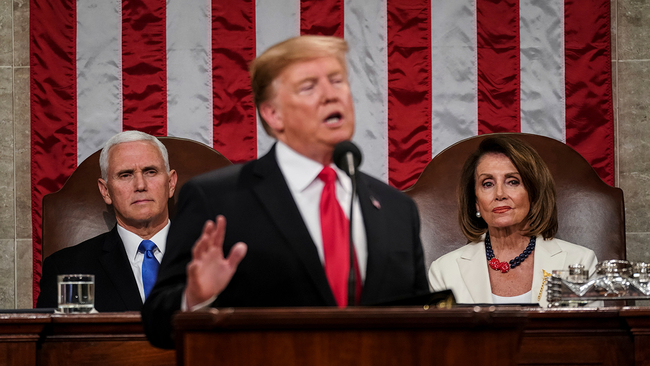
{"points": [[352, 276], [344, 155]]}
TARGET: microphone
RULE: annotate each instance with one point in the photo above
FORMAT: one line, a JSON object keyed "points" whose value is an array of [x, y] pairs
{"points": [[347, 157]]}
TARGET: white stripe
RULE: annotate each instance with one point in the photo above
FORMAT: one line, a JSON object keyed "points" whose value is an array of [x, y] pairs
{"points": [[453, 72], [189, 70], [542, 67], [275, 21], [99, 74], [365, 31]]}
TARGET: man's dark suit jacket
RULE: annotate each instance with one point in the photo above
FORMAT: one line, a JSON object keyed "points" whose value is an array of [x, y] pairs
{"points": [[105, 257], [282, 266]]}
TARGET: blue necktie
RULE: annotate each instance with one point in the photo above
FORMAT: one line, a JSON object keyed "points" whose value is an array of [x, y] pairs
{"points": [[149, 265]]}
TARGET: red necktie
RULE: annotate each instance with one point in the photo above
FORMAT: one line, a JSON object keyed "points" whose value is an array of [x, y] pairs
{"points": [[335, 230]]}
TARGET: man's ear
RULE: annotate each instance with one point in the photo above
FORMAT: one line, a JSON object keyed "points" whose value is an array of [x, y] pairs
{"points": [[173, 178], [272, 115], [103, 189]]}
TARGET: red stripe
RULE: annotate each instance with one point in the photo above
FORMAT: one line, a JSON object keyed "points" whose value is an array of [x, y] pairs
{"points": [[144, 68], [233, 48], [498, 65], [53, 107], [409, 90], [324, 17], [589, 112]]}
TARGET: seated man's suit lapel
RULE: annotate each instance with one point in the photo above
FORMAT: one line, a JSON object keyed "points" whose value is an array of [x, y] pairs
{"points": [[116, 264]]}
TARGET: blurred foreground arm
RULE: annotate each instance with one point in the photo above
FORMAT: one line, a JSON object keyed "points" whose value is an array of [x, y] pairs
{"points": [[209, 272]]}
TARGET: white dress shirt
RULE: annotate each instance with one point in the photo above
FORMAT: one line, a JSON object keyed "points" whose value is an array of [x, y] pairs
{"points": [[301, 175], [132, 242]]}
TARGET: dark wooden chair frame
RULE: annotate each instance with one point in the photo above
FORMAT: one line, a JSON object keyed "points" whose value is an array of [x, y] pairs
{"points": [[590, 212], [77, 211]]}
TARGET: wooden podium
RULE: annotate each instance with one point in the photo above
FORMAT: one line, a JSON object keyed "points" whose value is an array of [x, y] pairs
{"points": [[355, 336]]}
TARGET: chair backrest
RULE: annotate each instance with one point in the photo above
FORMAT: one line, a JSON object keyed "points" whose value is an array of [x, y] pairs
{"points": [[77, 211], [590, 212]]}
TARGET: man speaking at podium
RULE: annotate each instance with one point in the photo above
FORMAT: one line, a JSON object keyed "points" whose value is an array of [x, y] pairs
{"points": [[287, 238]]}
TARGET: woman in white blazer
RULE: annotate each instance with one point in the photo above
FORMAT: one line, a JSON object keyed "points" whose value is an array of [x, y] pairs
{"points": [[507, 210]]}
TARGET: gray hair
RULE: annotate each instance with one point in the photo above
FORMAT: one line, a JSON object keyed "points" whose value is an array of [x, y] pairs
{"points": [[129, 136]]}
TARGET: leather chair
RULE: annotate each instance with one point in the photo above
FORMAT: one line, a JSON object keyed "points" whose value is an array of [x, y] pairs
{"points": [[590, 212], [77, 211]]}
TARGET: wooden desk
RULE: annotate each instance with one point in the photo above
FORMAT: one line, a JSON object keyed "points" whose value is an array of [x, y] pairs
{"points": [[90, 339], [19, 334], [638, 319], [107, 339], [577, 337]]}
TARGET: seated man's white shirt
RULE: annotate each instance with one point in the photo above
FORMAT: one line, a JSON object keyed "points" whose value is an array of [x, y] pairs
{"points": [[131, 243]]}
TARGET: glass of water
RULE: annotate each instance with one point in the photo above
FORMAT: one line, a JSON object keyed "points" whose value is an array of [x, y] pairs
{"points": [[76, 293]]}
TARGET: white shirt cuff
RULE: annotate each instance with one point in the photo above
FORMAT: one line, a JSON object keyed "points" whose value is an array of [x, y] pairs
{"points": [[203, 305]]}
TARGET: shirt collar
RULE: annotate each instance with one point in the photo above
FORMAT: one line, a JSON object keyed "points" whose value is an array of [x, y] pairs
{"points": [[132, 241], [299, 171]]}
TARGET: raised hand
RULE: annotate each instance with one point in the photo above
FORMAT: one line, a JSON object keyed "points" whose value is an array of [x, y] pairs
{"points": [[209, 272]]}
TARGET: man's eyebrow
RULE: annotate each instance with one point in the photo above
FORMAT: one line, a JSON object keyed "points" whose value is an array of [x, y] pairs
{"points": [[124, 171], [131, 171], [336, 73], [307, 79]]}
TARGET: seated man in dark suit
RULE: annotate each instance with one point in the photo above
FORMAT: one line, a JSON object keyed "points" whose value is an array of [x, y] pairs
{"points": [[137, 181], [289, 207]]}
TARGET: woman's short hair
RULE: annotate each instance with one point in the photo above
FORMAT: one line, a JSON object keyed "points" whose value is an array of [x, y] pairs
{"points": [[535, 176], [270, 64], [129, 136]]}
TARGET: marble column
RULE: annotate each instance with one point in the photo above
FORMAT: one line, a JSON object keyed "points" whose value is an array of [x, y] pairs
{"points": [[632, 70]]}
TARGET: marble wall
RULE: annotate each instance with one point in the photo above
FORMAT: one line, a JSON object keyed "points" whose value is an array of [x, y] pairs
{"points": [[630, 65], [15, 215], [632, 89]]}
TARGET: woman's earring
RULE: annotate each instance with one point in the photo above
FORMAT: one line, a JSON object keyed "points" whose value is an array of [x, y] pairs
{"points": [[478, 214]]}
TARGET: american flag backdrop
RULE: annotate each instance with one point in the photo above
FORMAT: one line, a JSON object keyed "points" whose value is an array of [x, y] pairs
{"points": [[424, 74]]}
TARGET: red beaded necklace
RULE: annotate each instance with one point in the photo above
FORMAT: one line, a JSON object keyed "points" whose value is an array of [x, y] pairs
{"points": [[504, 267]]}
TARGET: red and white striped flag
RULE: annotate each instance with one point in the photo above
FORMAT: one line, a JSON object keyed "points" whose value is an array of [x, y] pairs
{"points": [[424, 75]]}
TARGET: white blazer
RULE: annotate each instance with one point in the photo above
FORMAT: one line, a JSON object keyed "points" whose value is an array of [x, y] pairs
{"points": [[465, 270]]}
